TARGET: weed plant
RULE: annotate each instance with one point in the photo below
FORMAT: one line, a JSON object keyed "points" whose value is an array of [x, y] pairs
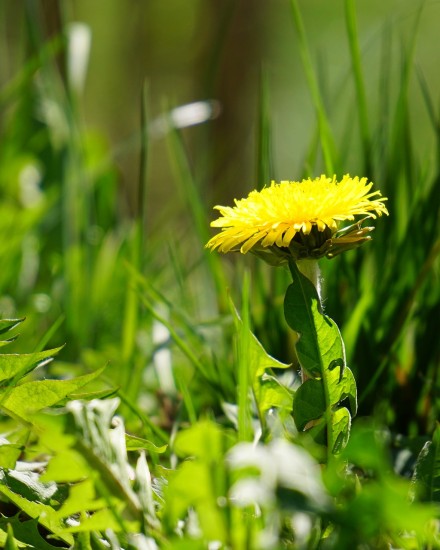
{"points": [[166, 419]]}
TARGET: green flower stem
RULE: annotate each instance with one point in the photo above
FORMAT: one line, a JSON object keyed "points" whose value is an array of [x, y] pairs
{"points": [[310, 269], [326, 400]]}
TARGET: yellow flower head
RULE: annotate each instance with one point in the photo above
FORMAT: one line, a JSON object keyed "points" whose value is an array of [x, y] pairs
{"points": [[298, 219]]}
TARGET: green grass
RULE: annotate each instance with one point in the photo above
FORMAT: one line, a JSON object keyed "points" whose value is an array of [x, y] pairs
{"points": [[187, 436]]}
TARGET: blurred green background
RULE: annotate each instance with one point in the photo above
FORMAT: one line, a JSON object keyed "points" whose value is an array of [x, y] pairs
{"points": [[193, 50], [97, 185]]}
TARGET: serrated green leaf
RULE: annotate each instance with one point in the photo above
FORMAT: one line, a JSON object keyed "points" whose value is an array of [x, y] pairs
{"points": [[99, 394], [27, 484], [273, 394], [24, 400], [14, 364], [9, 454], [8, 341], [342, 388], [308, 402], [259, 360], [82, 498], [26, 533], [340, 425], [45, 514], [321, 354], [320, 343], [9, 324], [267, 390], [12, 448]]}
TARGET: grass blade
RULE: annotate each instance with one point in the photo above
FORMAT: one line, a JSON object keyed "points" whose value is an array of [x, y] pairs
{"points": [[325, 134]]}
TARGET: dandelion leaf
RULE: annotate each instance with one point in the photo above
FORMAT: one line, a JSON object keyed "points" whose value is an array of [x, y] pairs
{"points": [[26, 399], [308, 403], [267, 390], [330, 391], [6, 325], [15, 364], [26, 533]]}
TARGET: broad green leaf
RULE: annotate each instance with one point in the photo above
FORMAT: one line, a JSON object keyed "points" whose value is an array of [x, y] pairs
{"points": [[26, 533], [271, 393], [259, 360], [320, 343], [67, 463], [309, 402], [267, 390], [67, 466], [9, 453], [202, 440], [22, 363], [340, 426], [82, 498], [11, 449], [192, 486], [342, 388], [26, 483], [45, 514], [321, 354], [24, 400]]}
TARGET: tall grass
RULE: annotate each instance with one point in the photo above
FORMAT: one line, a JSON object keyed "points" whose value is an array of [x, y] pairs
{"points": [[175, 325]]}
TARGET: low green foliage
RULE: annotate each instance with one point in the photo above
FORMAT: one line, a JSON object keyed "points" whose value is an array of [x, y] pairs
{"points": [[197, 433], [206, 485]]}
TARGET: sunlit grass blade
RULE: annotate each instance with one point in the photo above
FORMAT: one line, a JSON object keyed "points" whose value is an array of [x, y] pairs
{"points": [[325, 133], [243, 354], [267, 286], [401, 160], [265, 169], [137, 250], [197, 209], [187, 399], [356, 63]]}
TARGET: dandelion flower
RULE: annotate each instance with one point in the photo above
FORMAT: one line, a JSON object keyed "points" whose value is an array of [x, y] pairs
{"points": [[298, 219]]}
